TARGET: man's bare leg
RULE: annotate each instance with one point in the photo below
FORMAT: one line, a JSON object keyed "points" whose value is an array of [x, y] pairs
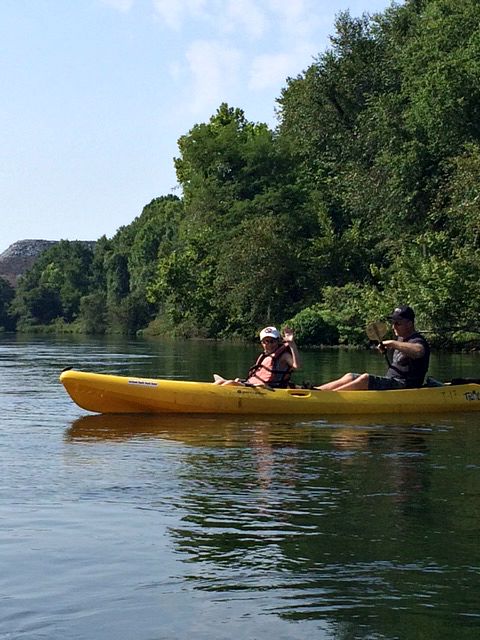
{"points": [[346, 383]]}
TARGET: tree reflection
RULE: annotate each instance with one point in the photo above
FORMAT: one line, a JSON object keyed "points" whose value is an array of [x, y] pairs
{"points": [[343, 523]]}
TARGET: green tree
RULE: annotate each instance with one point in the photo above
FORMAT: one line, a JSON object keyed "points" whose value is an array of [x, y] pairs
{"points": [[7, 293], [93, 313], [233, 174], [55, 285], [260, 277], [130, 264]]}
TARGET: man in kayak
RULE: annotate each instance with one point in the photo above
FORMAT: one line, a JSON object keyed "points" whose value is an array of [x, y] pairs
{"points": [[274, 365], [409, 364]]}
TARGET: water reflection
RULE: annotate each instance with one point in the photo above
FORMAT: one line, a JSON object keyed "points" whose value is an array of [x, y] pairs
{"points": [[340, 521]]}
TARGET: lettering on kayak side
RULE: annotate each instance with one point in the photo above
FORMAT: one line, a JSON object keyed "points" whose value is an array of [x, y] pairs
{"points": [[252, 390], [472, 395], [144, 383]]}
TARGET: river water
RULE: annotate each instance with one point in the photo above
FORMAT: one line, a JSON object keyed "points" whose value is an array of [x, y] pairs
{"points": [[152, 528]]}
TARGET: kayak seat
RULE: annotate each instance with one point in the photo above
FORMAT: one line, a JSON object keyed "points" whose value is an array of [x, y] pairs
{"points": [[432, 382]]}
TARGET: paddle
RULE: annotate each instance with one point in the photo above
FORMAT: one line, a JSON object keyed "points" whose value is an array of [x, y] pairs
{"points": [[376, 331]]}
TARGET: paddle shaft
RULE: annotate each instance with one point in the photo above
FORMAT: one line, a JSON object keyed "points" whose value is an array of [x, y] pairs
{"points": [[378, 331]]}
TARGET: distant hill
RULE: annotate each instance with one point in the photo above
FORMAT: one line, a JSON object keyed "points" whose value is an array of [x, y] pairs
{"points": [[21, 255]]}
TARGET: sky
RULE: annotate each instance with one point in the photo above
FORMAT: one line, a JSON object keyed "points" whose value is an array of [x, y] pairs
{"points": [[94, 95]]}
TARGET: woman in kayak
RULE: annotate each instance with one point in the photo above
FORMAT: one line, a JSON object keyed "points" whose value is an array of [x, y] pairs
{"points": [[409, 365], [274, 365]]}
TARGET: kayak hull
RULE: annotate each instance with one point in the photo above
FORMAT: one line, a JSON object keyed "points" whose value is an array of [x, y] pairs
{"points": [[103, 393]]}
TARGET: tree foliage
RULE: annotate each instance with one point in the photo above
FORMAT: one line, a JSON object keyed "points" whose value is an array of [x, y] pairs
{"points": [[366, 195], [7, 293], [55, 285]]}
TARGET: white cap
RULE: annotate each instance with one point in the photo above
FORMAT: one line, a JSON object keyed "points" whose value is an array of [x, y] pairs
{"points": [[270, 332]]}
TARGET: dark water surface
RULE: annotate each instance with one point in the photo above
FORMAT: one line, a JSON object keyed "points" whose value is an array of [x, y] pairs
{"points": [[149, 528]]}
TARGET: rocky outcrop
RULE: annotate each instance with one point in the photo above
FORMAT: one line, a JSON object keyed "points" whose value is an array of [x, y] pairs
{"points": [[20, 256]]}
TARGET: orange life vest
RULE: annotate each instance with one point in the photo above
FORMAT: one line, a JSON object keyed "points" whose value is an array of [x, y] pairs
{"points": [[266, 369]]}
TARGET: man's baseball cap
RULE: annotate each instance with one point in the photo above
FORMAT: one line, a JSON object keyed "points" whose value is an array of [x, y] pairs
{"points": [[403, 312]]}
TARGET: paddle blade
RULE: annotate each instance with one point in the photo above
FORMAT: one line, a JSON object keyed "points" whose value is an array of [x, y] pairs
{"points": [[376, 330]]}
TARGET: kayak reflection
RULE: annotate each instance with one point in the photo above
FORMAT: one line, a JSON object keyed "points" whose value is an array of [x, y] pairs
{"points": [[195, 430], [228, 430]]}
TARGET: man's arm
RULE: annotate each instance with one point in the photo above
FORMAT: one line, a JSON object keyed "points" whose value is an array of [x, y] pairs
{"points": [[411, 349]]}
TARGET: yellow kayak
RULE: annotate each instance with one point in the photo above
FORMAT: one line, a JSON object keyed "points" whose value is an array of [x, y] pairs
{"points": [[102, 393]]}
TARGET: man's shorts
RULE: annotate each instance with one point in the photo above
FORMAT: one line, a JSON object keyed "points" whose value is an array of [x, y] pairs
{"points": [[381, 383]]}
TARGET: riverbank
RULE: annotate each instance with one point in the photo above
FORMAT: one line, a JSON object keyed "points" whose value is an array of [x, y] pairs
{"points": [[455, 342]]}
